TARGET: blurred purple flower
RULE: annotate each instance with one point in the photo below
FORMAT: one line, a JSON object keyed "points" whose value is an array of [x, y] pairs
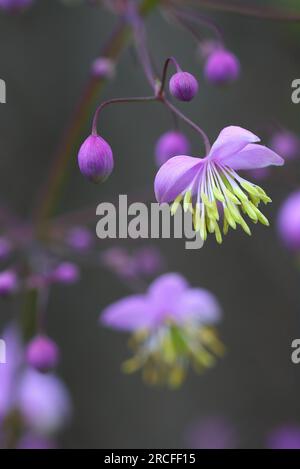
{"points": [[211, 433], [79, 238], [201, 183], [285, 437], [148, 261], [102, 67], [44, 402], [14, 5], [288, 221], [66, 273], [171, 144], [169, 298], [259, 174], [221, 67], [118, 261], [42, 353], [8, 282], [32, 441], [286, 144]]}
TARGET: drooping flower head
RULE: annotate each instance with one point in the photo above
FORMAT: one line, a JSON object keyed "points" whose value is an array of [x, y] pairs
{"points": [[288, 222], [42, 353], [171, 324], [170, 144], [221, 67], [183, 86], [211, 188], [286, 144], [95, 159]]}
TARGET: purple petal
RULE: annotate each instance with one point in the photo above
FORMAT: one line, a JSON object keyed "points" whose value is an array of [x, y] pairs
{"points": [[253, 157], [131, 313], [165, 292], [199, 305], [174, 176], [231, 140]]}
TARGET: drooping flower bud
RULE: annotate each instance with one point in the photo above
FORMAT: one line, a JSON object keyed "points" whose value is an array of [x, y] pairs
{"points": [[102, 67], [286, 144], [79, 238], [183, 86], [8, 282], [95, 159], [42, 353], [66, 273], [288, 222], [171, 144], [221, 67]]}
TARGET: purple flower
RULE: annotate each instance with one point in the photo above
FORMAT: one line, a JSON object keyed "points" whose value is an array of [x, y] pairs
{"points": [[288, 222], [44, 402], [14, 5], [95, 159], [66, 273], [79, 238], [286, 144], [103, 67], [8, 282], [205, 185], [148, 261], [286, 437], [42, 353], [221, 67], [211, 433], [119, 261], [183, 86], [170, 144], [170, 323]]}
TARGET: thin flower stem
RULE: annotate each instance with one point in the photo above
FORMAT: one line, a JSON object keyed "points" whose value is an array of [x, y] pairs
{"points": [[139, 99], [165, 72], [189, 122], [184, 16]]}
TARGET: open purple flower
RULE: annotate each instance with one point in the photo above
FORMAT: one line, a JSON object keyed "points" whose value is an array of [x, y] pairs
{"points": [[211, 186], [171, 325]]}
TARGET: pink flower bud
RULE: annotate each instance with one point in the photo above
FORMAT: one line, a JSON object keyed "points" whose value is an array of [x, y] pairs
{"points": [[183, 86], [42, 353], [95, 159], [221, 67]]}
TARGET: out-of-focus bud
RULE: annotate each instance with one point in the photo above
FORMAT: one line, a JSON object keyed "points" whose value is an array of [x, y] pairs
{"points": [[66, 273], [95, 159], [8, 282], [183, 86], [172, 143], [14, 6], [102, 67], [286, 144], [288, 222], [42, 353], [79, 238], [221, 67]]}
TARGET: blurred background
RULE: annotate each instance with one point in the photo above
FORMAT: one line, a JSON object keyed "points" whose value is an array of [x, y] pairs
{"points": [[45, 59]]}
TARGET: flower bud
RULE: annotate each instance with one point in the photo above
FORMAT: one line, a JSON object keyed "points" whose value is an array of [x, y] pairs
{"points": [[286, 144], [8, 282], [79, 238], [172, 143], [95, 159], [66, 273], [103, 67], [183, 86], [42, 353], [288, 222], [221, 67]]}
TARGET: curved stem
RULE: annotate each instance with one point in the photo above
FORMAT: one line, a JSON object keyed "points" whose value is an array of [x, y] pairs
{"points": [[118, 101], [164, 74], [190, 123]]}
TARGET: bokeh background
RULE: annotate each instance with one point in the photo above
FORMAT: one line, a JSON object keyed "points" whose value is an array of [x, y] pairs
{"points": [[45, 58]]}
